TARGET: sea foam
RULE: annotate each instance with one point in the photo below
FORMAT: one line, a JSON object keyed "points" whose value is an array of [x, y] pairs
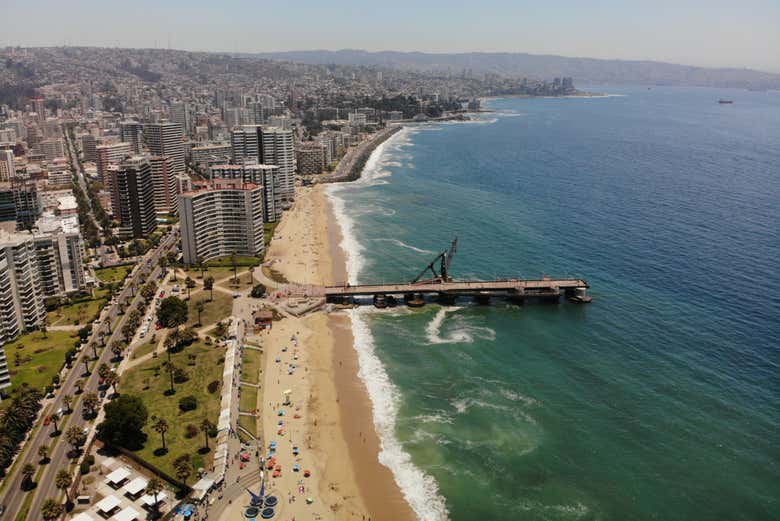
{"points": [[418, 488]]}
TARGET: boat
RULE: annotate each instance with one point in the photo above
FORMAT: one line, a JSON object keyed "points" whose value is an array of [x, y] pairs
{"points": [[725, 101]]}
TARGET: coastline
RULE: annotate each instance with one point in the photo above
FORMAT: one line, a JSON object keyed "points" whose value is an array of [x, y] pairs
{"points": [[338, 430]]}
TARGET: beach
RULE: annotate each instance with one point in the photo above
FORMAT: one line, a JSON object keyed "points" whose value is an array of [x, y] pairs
{"points": [[329, 418]]}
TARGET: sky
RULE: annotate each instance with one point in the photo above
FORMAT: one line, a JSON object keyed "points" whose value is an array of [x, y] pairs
{"points": [[710, 33]]}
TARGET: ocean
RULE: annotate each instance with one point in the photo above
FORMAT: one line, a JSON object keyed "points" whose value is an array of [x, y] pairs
{"points": [[661, 399]]}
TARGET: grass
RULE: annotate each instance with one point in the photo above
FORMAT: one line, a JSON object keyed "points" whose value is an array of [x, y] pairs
{"points": [[39, 358], [208, 367], [248, 401], [251, 364], [114, 273], [227, 262], [268, 232], [218, 309], [145, 348], [249, 423], [244, 280], [78, 313]]}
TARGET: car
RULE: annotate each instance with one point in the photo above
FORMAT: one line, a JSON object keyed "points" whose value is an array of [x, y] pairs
{"points": [[162, 294], [60, 411]]}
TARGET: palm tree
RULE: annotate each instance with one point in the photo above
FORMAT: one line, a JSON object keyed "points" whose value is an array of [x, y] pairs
{"points": [[208, 283], [27, 473], [91, 402], [189, 284], [154, 487], [63, 481], [103, 370], [251, 274], [233, 259], [51, 509], [127, 331], [161, 426], [199, 307], [206, 426], [44, 329], [182, 467], [86, 366], [79, 386], [75, 436], [201, 267], [117, 348], [54, 418], [43, 452], [67, 400], [112, 379], [94, 350]]}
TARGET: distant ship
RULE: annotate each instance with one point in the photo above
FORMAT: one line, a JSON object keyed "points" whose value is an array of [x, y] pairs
{"points": [[725, 101]]}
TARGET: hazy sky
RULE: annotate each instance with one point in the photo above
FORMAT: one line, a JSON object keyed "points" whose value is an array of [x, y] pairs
{"points": [[734, 33]]}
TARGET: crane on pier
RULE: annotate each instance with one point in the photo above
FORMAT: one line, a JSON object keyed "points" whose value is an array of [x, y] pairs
{"points": [[444, 259]]}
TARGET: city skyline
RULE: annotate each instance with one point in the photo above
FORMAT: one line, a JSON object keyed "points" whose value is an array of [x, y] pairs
{"points": [[716, 34]]}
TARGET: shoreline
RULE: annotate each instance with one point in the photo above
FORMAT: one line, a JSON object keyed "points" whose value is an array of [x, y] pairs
{"points": [[348, 481]]}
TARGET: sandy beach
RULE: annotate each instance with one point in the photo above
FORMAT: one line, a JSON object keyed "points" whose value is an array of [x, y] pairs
{"points": [[329, 417]]}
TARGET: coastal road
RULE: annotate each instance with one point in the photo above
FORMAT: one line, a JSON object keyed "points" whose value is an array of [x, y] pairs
{"points": [[12, 496]]}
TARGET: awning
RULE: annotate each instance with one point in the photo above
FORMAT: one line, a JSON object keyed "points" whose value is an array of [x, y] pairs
{"points": [[127, 514], [118, 476], [148, 499], [136, 486], [108, 504]]}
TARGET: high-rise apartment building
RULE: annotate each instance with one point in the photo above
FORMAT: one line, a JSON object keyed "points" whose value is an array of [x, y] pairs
{"points": [[277, 148], [89, 147], [110, 154], [132, 132], [310, 158], [180, 113], [21, 292], [222, 219], [245, 144], [164, 181], [132, 197], [165, 139], [7, 165], [254, 173]]}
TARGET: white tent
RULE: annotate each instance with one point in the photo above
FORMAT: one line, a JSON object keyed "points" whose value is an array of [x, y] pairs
{"points": [[127, 514], [83, 516], [118, 476], [108, 504], [200, 488], [148, 499], [135, 486]]}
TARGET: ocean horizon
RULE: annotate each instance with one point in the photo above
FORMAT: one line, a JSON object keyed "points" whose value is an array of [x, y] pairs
{"points": [[658, 400]]}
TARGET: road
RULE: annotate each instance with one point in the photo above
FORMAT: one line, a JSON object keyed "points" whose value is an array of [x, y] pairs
{"points": [[12, 496]]}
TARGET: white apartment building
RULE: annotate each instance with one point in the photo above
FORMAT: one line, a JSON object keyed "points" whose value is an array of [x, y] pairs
{"points": [[222, 219], [165, 139], [265, 175]]}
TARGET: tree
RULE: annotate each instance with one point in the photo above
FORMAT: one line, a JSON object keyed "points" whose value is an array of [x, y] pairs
{"points": [[54, 419], [44, 329], [75, 436], [182, 467], [189, 284], [28, 471], [199, 307], [103, 370], [67, 400], [233, 262], [154, 487], [79, 386], [63, 481], [258, 291], [51, 509], [208, 283], [112, 379], [161, 427], [124, 421], [43, 452], [127, 331], [207, 427], [91, 402], [117, 348], [172, 312]]}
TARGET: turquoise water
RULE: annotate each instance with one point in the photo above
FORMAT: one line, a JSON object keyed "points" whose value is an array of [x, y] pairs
{"points": [[661, 400]]}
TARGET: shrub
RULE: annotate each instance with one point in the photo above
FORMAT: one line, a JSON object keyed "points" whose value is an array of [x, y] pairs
{"points": [[90, 459], [190, 431], [188, 403], [213, 386], [84, 468]]}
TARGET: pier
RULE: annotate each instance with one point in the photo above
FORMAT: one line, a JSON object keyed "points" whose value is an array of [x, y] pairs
{"points": [[440, 287]]}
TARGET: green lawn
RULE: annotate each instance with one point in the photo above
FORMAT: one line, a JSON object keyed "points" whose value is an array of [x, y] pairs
{"points": [[208, 367], [227, 262], [78, 313], [251, 365], [113, 274], [248, 401], [218, 309], [249, 423], [39, 358], [145, 348], [268, 232], [244, 280]]}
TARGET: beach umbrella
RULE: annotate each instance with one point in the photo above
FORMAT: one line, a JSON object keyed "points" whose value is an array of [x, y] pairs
{"points": [[288, 391]]}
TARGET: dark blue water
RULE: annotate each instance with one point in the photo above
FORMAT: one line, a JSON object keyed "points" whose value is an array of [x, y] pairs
{"points": [[661, 400]]}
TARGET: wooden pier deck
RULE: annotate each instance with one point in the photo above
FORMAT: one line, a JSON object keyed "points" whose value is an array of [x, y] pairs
{"points": [[506, 287]]}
